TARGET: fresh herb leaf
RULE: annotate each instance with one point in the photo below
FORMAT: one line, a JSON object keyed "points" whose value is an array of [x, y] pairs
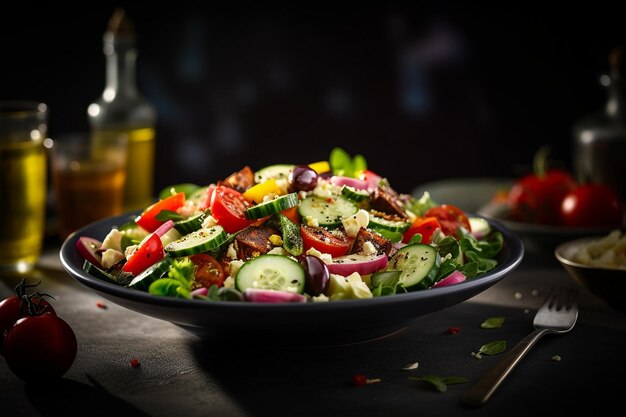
{"points": [[395, 237], [165, 215], [342, 164], [439, 383], [416, 238], [178, 281], [493, 348], [492, 323], [419, 206]]}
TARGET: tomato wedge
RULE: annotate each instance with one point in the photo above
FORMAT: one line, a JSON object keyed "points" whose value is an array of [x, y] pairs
{"points": [[147, 219], [335, 243], [425, 226], [450, 218], [147, 254], [208, 271], [228, 206]]}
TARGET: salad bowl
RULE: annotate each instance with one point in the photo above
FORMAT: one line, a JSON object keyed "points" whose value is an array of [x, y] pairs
{"points": [[296, 324]]}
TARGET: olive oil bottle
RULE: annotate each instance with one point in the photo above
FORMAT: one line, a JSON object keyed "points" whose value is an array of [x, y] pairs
{"points": [[122, 108]]}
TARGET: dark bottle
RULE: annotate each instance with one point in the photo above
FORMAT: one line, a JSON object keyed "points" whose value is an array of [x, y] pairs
{"points": [[600, 139], [122, 108]]}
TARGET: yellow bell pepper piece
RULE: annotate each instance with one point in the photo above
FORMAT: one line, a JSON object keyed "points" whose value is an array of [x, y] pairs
{"points": [[258, 191], [320, 167]]}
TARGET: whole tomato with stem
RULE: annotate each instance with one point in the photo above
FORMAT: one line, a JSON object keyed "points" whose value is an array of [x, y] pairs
{"points": [[592, 205], [537, 197], [17, 306], [40, 348]]}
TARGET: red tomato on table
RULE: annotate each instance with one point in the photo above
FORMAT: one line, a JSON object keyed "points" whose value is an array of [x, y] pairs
{"points": [[537, 198], [592, 205], [40, 348], [450, 218]]}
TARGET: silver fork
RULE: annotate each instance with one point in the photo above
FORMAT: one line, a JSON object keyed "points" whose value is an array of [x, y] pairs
{"points": [[557, 314]]}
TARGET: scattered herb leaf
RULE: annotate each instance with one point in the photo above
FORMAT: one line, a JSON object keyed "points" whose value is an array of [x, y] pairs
{"points": [[439, 383], [556, 358], [491, 348], [492, 323]]}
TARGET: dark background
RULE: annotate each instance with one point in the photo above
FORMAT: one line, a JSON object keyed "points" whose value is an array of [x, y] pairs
{"points": [[429, 91]]}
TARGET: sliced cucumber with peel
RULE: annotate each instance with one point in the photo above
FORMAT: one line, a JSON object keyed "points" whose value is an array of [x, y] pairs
{"points": [[143, 280], [202, 240], [380, 223], [480, 227], [419, 264], [271, 272], [278, 171], [273, 206], [328, 212], [354, 194], [190, 224]]}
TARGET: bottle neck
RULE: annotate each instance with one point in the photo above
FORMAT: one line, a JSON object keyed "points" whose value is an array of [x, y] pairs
{"points": [[120, 70]]}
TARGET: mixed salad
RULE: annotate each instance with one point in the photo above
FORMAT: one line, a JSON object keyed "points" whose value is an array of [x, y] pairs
{"points": [[325, 231]]}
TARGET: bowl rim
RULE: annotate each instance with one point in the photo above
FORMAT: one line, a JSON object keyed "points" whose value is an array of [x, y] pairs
{"points": [[68, 256]]}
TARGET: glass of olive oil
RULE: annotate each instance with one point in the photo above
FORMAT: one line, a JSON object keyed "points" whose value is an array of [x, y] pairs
{"points": [[88, 178], [23, 184]]}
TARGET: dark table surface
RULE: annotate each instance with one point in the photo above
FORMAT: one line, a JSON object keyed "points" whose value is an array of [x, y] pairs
{"points": [[183, 375]]}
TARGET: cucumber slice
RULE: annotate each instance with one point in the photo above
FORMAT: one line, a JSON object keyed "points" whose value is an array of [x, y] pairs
{"points": [[143, 280], [385, 278], [190, 224], [202, 240], [292, 239], [380, 223], [99, 273], [354, 194], [327, 213], [419, 264], [116, 276], [480, 227], [274, 206], [271, 272], [278, 171]]}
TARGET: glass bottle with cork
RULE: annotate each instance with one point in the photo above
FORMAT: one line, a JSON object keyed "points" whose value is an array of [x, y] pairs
{"points": [[122, 108], [600, 139]]}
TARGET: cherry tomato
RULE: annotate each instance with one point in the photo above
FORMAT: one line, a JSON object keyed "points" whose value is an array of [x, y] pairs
{"points": [[147, 219], [240, 180], [425, 226], [208, 271], [228, 206], [14, 308], [40, 348], [335, 243], [150, 251], [537, 198], [450, 218], [592, 205]]}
